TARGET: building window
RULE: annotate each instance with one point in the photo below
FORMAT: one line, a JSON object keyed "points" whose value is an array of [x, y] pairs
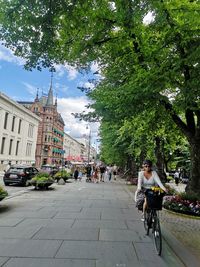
{"points": [[28, 149], [17, 148], [13, 124], [30, 130], [10, 147], [6, 120], [19, 128], [3, 144]]}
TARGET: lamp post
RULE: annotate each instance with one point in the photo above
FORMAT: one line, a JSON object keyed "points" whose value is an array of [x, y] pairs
{"points": [[89, 144]]}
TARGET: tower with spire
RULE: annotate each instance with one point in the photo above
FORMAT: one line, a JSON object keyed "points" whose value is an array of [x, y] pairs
{"points": [[49, 148]]}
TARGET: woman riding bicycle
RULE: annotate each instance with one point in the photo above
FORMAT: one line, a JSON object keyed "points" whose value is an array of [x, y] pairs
{"points": [[147, 178]]}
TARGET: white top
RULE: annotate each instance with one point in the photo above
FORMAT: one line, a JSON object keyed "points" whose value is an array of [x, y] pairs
{"points": [[145, 183]]}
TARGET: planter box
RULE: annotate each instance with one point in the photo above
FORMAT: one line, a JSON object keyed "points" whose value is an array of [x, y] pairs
{"points": [[42, 185]]}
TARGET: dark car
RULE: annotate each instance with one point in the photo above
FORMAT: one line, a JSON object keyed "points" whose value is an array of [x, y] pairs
{"points": [[50, 169], [19, 174]]}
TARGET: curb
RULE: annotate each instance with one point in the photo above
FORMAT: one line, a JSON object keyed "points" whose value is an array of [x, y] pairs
{"points": [[188, 259], [182, 214]]}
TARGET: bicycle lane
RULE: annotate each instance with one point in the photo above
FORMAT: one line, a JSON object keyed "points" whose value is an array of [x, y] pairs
{"points": [[78, 224]]}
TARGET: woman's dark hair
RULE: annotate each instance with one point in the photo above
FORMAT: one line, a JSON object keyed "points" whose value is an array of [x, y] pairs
{"points": [[147, 162]]}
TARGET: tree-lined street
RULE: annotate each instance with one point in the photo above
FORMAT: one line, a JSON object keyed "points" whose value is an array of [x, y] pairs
{"points": [[147, 94]]}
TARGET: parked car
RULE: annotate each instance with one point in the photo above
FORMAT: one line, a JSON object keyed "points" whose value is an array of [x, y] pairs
{"points": [[50, 169], [19, 174]]}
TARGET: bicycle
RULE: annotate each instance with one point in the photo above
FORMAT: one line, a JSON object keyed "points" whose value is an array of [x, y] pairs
{"points": [[154, 198]]}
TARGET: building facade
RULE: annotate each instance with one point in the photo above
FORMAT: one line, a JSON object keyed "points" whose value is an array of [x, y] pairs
{"points": [[74, 150], [18, 133], [49, 148]]}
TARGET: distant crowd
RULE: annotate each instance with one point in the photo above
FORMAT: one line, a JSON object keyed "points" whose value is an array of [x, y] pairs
{"points": [[95, 173]]}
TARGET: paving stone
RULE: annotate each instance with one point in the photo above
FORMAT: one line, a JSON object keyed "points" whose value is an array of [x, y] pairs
{"points": [[67, 234], [34, 214], [10, 221], [80, 215], [109, 216], [103, 224], [122, 235], [30, 248], [61, 208], [99, 250], [63, 223], [18, 232], [3, 260], [32, 262]]}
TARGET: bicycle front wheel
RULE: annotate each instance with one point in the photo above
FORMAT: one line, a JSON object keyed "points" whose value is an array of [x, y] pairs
{"points": [[147, 218], [157, 235]]}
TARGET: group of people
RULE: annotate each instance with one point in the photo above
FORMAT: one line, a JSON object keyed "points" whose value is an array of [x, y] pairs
{"points": [[97, 174]]}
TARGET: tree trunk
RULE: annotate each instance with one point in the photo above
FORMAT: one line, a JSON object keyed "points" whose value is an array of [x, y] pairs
{"points": [[160, 160], [131, 164], [194, 180]]}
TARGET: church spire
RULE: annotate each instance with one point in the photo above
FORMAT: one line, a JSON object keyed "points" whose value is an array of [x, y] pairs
{"points": [[50, 94], [37, 98], [56, 101]]}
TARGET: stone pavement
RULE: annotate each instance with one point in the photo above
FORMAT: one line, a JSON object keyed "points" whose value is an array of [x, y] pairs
{"points": [[78, 224]]}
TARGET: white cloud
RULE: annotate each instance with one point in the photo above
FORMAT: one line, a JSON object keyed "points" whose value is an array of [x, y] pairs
{"points": [[71, 72], [30, 88], [8, 55], [61, 87], [74, 127]]}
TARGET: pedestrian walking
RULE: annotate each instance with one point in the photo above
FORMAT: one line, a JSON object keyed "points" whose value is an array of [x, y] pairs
{"points": [[102, 172], [76, 172], [115, 171], [176, 177], [109, 171]]}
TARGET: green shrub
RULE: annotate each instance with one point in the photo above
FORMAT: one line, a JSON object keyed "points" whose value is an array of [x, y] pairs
{"points": [[62, 174], [42, 180], [3, 193]]}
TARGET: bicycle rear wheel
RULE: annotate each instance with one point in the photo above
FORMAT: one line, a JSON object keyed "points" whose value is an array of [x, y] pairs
{"points": [[157, 236]]}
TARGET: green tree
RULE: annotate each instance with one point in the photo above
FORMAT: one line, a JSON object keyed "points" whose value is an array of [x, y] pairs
{"points": [[147, 64]]}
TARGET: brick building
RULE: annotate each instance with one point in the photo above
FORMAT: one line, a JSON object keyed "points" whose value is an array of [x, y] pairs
{"points": [[49, 148]]}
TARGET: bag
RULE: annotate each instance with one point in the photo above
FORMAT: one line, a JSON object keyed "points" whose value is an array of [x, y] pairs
{"points": [[140, 200]]}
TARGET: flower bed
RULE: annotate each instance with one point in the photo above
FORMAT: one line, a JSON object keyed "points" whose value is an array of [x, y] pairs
{"points": [[183, 203]]}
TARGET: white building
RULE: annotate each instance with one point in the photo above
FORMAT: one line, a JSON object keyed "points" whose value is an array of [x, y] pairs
{"points": [[18, 133], [74, 150], [90, 153]]}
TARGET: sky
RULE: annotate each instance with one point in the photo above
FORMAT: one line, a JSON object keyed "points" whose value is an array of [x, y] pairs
{"points": [[22, 85]]}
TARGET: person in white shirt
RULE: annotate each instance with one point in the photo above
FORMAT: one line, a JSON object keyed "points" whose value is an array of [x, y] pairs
{"points": [[146, 179]]}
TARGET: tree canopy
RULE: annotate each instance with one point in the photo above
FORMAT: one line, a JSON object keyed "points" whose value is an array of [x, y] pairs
{"points": [[154, 64]]}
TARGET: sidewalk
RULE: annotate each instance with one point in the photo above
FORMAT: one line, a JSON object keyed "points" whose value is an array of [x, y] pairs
{"points": [[77, 225]]}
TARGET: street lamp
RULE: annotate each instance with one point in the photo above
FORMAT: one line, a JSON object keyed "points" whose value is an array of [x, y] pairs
{"points": [[89, 144]]}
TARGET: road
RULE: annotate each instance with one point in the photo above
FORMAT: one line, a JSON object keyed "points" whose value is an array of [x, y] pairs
{"points": [[13, 190]]}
